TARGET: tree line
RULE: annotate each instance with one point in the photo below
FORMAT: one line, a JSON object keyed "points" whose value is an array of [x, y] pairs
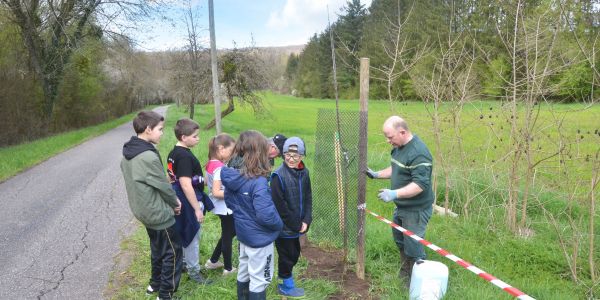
{"points": [[407, 39], [69, 64]]}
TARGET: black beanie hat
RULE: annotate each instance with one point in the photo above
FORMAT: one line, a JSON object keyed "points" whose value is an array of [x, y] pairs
{"points": [[279, 139]]}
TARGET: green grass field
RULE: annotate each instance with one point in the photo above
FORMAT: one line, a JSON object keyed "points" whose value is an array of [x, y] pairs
{"points": [[536, 265], [16, 159]]}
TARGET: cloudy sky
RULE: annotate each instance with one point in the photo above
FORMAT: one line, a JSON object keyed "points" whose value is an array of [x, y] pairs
{"points": [[270, 22]]}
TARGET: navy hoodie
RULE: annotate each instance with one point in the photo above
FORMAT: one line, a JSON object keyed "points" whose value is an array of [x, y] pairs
{"points": [[257, 223]]}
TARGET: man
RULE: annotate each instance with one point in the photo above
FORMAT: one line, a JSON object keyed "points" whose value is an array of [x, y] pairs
{"points": [[410, 174]]}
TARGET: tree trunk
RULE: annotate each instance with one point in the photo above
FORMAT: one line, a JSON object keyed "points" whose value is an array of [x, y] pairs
{"points": [[192, 102], [230, 109]]}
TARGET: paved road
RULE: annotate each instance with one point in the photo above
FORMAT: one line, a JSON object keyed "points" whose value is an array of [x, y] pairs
{"points": [[62, 222]]}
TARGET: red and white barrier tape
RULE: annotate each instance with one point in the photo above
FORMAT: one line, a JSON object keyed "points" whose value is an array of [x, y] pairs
{"points": [[495, 281]]}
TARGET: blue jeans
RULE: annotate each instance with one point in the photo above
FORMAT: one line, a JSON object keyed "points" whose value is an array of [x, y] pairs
{"points": [[415, 221]]}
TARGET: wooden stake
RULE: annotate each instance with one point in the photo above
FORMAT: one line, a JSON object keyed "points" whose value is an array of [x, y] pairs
{"points": [[362, 166]]}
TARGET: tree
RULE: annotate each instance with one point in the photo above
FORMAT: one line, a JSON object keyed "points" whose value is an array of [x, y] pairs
{"points": [[194, 52], [52, 30], [242, 75]]}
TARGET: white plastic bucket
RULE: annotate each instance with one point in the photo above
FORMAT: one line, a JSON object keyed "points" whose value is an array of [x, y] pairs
{"points": [[429, 280]]}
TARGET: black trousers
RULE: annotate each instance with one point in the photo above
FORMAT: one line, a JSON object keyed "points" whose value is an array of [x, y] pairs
{"points": [[166, 256], [224, 244], [288, 251]]}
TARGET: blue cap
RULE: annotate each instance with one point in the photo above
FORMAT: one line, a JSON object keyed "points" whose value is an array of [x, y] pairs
{"points": [[294, 141]]}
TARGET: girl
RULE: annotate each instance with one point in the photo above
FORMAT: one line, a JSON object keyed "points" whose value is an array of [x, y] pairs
{"points": [[220, 148], [256, 220]]}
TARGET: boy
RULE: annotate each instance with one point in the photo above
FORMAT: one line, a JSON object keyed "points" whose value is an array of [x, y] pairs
{"points": [[185, 173], [153, 202], [292, 195]]}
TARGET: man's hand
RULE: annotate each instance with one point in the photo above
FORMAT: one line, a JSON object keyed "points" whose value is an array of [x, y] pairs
{"points": [[177, 209], [304, 227], [199, 215], [387, 195], [372, 174]]}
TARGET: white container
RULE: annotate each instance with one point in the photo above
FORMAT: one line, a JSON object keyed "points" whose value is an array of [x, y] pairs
{"points": [[428, 281]]}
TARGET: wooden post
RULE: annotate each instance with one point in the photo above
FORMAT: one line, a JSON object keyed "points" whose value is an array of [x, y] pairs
{"points": [[362, 165], [213, 66], [339, 183]]}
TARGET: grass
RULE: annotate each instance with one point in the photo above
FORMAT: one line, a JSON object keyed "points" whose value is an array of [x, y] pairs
{"points": [[18, 158], [535, 265]]}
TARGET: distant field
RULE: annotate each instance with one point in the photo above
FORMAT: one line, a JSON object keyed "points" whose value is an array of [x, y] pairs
{"points": [[535, 265]]}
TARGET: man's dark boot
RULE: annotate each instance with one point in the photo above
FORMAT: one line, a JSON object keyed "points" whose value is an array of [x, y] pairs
{"points": [[406, 269]]}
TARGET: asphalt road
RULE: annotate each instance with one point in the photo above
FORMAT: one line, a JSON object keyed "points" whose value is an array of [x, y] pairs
{"points": [[62, 222]]}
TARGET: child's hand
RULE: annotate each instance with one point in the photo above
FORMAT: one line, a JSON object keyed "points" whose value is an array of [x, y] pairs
{"points": [[177, 209], [199, 216], [304, 227]]}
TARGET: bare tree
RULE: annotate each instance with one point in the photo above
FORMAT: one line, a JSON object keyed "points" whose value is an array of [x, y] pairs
{"points": [[194, 52], [401, 55], [449, 81]]}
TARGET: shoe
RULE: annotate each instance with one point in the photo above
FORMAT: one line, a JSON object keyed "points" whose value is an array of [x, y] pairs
{"points": [[197, 277], [296, 293], [288, 289], [209, 265], [150, 291], [227, 272]]}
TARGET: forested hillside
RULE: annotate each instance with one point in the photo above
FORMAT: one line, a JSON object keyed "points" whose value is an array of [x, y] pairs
{"points": [[456, 49]]}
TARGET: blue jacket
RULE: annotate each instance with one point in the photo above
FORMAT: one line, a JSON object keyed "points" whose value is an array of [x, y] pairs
{"points": [[257, 223]]}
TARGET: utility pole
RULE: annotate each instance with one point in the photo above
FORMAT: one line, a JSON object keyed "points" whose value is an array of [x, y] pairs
{"points": [[213, 63]]}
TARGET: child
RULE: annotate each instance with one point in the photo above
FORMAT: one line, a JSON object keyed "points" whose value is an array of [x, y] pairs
{"points": [[276, 147], [257, 223], [292, 195], [153, 202], [185, 173], [220, 149]]}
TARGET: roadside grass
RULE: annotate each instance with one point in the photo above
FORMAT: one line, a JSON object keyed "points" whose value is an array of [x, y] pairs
{"points": [[534, 265], [18, 158]]}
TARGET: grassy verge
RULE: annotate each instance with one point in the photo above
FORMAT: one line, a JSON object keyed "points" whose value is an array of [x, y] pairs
{"points": [[535, 265], [16, 159]]}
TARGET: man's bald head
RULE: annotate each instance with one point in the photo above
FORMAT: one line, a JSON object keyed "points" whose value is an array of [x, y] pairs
{"points": [[396, 123], [396, 131]]}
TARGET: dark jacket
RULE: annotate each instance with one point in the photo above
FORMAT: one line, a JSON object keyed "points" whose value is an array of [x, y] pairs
{"points": [[150, 195], [257, 223], [292, 195], [187, 225]]}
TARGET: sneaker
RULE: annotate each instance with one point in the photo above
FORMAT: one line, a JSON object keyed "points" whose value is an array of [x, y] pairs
{"points": [[197, 277], [211, 265], [227, 272], [150, 291], [295, 293]]}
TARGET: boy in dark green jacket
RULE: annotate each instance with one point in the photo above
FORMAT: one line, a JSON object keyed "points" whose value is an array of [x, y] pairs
{"points": [[153, 202]]}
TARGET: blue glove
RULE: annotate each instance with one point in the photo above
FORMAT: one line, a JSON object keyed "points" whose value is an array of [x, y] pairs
{"points": [[372, 174], [387, 195]]}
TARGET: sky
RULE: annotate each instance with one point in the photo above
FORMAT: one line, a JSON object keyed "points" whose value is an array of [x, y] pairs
{"points": [[269, 22]]}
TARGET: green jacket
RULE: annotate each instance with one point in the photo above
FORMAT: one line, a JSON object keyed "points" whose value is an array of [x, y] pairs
{"points": [[150, 195], [413, 163]]}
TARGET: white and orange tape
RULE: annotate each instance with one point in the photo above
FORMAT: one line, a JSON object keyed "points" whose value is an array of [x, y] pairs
{"points": [[495, 281]]}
